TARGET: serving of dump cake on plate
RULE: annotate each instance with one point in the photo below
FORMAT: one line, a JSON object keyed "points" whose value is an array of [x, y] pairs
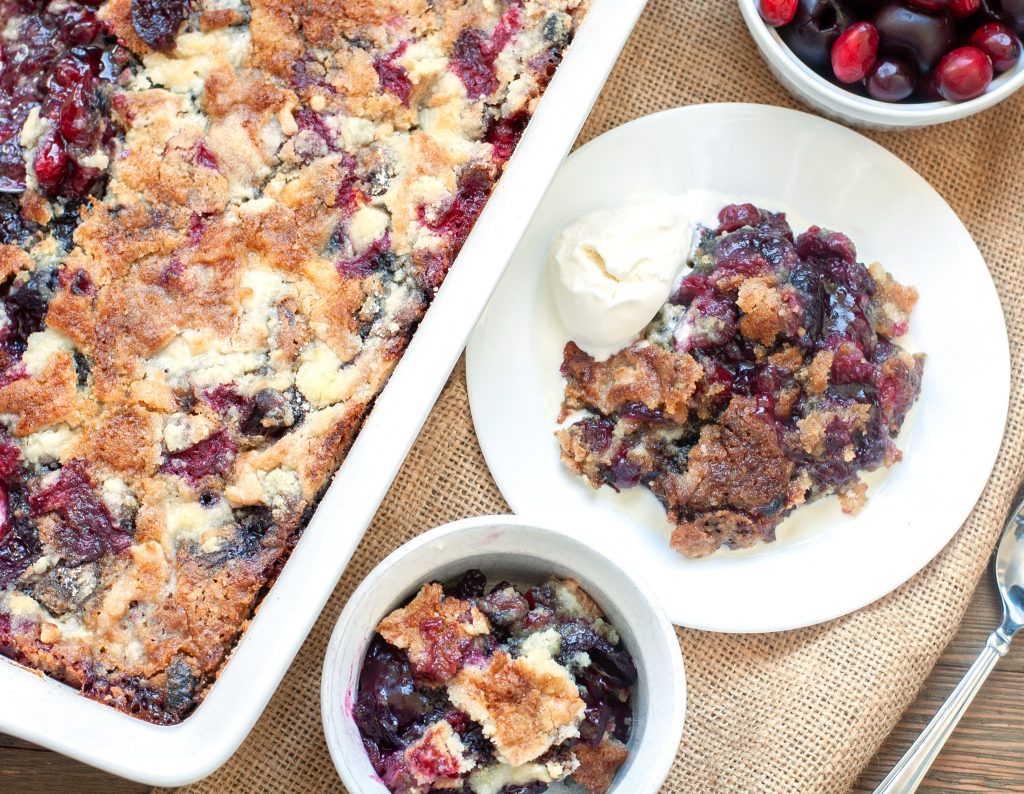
{"points": [[500, 688], [220, 223], [769, 379]]}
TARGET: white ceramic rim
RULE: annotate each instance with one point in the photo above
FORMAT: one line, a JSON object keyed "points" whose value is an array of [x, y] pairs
{"points": [[819, 604], [812, 87], [404, 571], [41, 710]]}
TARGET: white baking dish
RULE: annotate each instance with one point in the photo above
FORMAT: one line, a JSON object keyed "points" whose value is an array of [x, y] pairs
{"points": [[44, 711]]}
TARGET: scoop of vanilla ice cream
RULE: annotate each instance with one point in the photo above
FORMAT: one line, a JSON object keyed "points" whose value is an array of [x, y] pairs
{"points": [[613, 269]]}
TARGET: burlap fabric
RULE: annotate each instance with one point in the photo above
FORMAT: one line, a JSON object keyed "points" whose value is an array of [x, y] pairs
{"points": [[797, 712]]}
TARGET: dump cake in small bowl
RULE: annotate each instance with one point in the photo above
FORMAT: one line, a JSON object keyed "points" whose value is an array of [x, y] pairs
{"points": [[495, 657]]}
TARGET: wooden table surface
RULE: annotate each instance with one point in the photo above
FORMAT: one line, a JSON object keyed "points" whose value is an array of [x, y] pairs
{"points": [[985, 754]]}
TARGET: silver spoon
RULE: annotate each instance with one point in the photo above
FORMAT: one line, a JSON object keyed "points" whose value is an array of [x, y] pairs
{"points": [[907, 775]]}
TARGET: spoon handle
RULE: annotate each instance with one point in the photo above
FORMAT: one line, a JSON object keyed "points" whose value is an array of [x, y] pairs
{"points": [[907, 775]]}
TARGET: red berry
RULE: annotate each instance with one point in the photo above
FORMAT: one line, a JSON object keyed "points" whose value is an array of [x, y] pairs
{"points": [[854, 52], [50, 164], [929, 5], [76, 121], [964, 8], [777, 12], [999, 43], [963, 74]]}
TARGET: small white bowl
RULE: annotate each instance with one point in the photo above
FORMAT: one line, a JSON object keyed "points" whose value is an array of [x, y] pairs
{"points": [[507, 546], [813, 89]]}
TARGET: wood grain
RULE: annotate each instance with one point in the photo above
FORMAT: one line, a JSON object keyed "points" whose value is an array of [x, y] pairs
{"points": [[985, 754]]}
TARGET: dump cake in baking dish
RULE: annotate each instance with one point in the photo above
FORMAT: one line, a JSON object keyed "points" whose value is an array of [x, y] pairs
{"points": [[768, 379], [496, 688], [220, 223]]}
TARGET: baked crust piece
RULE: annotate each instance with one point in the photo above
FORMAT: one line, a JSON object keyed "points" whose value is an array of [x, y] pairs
{"points": [[277, 191], [435, 631], [785, 385], [525, 705]]}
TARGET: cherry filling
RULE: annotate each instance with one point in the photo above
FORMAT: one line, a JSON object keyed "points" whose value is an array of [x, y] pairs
{"points": [[393, 76], [474, 54], [157, 21], [87, 530], [211, 456], [504, 134], [456, 222], [24, 312], [61, 60]]}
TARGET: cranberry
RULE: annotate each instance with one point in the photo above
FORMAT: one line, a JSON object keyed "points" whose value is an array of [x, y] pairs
{"points": [[855, 52], [999, 43], [50, 164], [814, 30], [915, 35], [964, 8], [964, 73], [777, 12], [890, 80]]}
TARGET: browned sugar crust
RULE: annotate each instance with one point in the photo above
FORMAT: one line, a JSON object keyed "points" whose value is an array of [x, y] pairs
{"points": [[293, 182]]}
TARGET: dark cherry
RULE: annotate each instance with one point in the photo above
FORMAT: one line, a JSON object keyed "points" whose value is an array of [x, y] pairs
{"points": [[474, 188], [777, 12], [999, 43], [915, 35], [734, 217], [855, 52], [157, 21], [814, 29], [890, 80], [964, 73]]}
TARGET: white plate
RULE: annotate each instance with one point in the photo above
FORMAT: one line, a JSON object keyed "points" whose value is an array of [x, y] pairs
{"points": [[825, 564]]}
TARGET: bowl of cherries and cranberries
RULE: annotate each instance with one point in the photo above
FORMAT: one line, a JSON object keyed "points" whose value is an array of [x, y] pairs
{"points": [[892, 63], [492, 656]]}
